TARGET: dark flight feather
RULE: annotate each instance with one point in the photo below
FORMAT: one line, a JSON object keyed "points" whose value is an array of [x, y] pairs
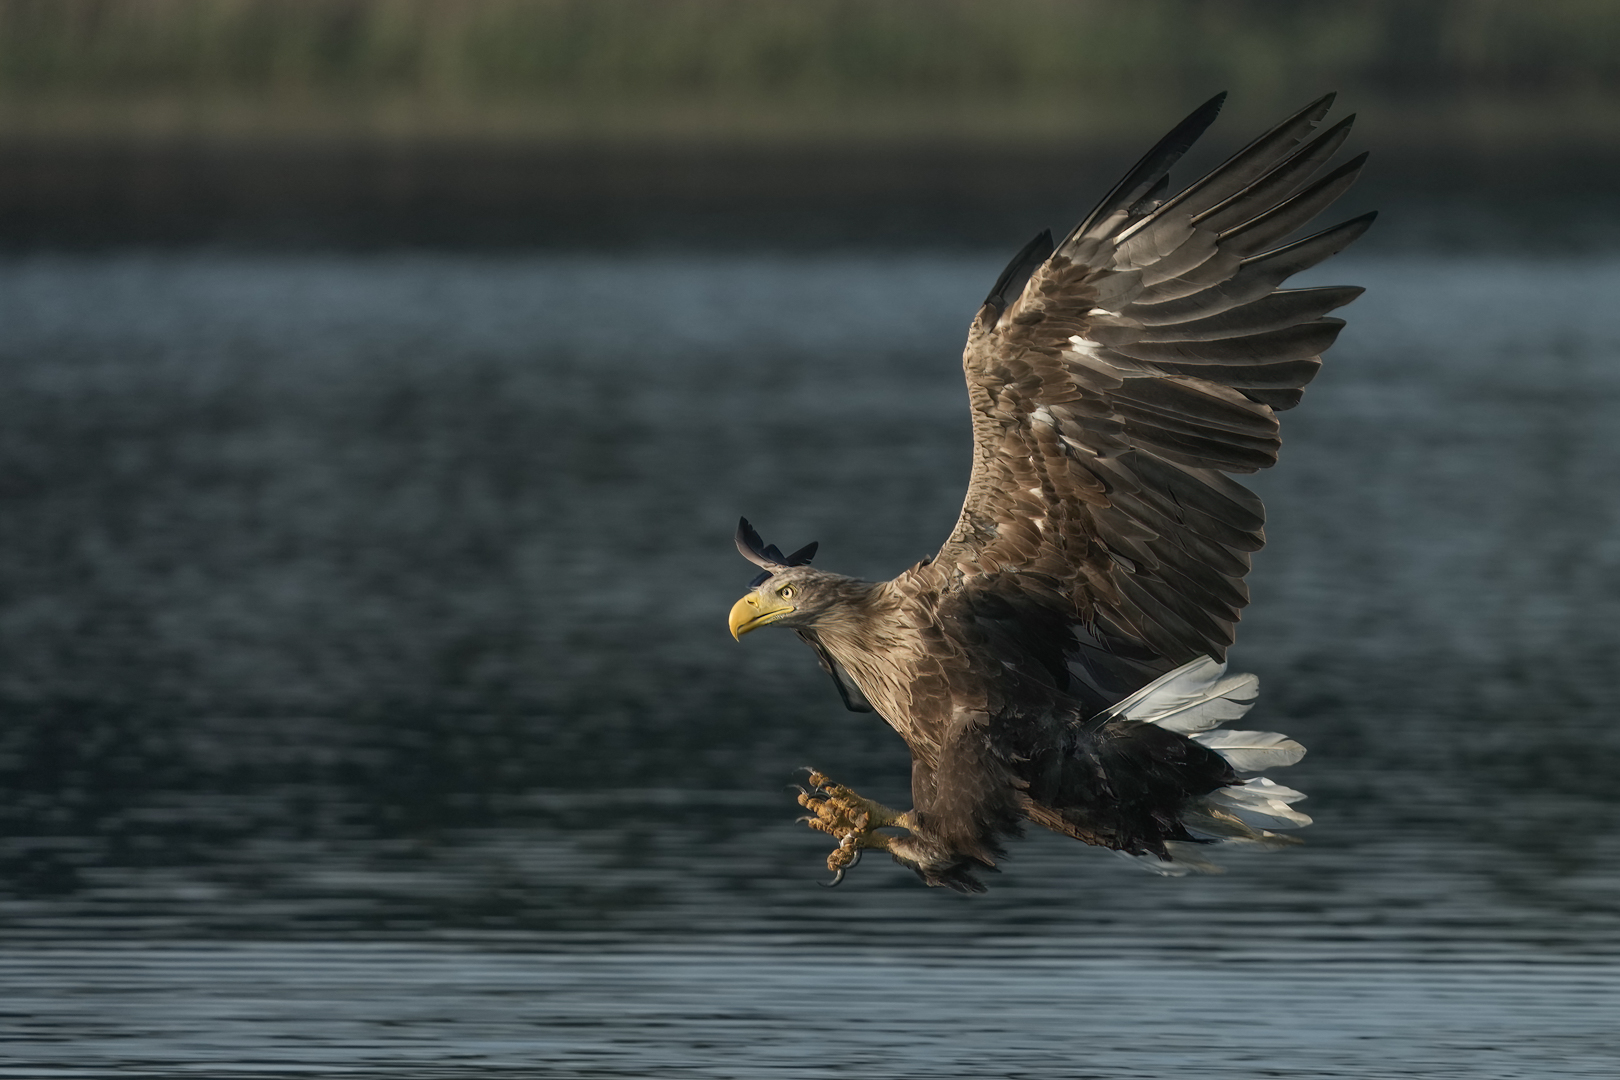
{"points": [[1155, 165], [1012, 280]]}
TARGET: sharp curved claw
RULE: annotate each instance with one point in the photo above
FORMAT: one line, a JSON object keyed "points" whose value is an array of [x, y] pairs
{"points": [[856, 861], [838, 877]]}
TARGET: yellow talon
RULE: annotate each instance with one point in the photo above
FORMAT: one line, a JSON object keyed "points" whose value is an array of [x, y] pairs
{"points": [[848, 817]]}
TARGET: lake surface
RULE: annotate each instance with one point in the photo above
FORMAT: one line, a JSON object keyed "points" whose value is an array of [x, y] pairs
{"points": [[367, 708]]}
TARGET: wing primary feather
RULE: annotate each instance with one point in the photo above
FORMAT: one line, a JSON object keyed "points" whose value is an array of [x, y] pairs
{"points": [[1186, 400], [1294, 342], [1280, 309], [1138, 419], [1153, 166], [1293, 212], [1288, 375], [1256, 276], [1287, 177], [1150, 201], [1279, 400], [1306, 253], [1225, 453], [1013, 279], [1212, 493], [1231, 177]]}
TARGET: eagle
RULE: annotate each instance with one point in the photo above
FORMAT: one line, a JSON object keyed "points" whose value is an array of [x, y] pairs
{"points": [[1061, 660]]}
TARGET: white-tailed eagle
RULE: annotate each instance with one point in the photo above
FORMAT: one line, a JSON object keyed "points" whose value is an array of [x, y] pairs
{"points": [[1061, 659]]}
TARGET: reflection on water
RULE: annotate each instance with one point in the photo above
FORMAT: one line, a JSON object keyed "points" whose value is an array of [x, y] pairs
{"points": [[368, 706], [729, 1011]]}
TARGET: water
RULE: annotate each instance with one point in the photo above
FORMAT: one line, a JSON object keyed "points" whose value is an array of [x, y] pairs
{"points": [[367, 707]]}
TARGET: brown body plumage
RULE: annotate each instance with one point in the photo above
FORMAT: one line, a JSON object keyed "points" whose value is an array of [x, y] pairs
{"points": [[1114, 379]]}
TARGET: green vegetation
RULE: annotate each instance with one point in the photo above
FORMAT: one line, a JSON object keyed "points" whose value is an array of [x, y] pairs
{"points": [[792, 69]]}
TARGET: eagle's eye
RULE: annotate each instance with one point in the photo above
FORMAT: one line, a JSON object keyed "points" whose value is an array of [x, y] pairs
{"points": [[787, 592]]}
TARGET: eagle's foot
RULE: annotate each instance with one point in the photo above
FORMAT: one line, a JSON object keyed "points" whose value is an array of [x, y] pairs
{"points": [[850, 819]]}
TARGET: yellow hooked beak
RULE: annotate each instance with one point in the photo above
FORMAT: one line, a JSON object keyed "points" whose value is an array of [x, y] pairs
{"points": [[754, 611]]}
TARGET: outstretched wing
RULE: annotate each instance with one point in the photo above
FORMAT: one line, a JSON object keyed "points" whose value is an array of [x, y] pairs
{"points": [[1116, 379]]}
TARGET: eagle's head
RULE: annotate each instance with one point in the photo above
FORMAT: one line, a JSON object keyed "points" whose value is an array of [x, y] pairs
{"points": [[795, 596], [787, 591]]}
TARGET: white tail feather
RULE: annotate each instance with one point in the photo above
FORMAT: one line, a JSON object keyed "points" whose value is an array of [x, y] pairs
{"points": [[1192, 700], [1261, 803], [1252, 751]]}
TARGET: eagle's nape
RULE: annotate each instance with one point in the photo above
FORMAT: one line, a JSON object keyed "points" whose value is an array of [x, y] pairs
{"points": [[1061, 659]]}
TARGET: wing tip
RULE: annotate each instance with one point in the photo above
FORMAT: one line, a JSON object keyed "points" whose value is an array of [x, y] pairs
{"points": [[1321, 106], [1019, 271], [1153, 165]]}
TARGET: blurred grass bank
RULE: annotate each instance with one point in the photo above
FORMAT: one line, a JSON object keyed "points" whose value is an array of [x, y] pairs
{"points": [[197, 106], [769, 70]]}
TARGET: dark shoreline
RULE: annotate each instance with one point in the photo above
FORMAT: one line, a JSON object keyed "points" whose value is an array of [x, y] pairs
{"points": [[64, 194]]}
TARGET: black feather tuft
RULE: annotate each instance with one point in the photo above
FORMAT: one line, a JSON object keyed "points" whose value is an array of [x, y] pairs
{"points": [[768, 557], [848, 692]]}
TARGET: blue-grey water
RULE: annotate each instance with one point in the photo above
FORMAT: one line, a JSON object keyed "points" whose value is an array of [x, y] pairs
{"points": [[367, 708]]}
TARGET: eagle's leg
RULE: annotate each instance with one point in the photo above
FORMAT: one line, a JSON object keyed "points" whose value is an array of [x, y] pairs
{"points": [[851, 819]]}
